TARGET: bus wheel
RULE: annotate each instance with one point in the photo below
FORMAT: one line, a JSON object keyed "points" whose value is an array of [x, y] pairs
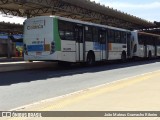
{"points": [[123, 57], [90, 59]]}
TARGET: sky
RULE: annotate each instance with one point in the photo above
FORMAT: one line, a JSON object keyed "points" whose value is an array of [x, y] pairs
{"points": [[145, 9], [11, 19]]}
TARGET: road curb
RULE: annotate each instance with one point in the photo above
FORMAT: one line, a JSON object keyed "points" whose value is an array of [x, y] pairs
{"points": [[14, 66]]}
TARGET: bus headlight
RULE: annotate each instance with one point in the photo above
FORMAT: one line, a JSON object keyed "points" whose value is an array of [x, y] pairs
{"points": [[52, 47]]}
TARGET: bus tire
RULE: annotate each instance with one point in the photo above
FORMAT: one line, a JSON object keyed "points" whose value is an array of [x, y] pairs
{"points": [[90, 59], [123, 57]]}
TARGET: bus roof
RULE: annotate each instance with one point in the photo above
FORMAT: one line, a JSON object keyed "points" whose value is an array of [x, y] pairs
{"points": [[81, 22], [89, 23]]}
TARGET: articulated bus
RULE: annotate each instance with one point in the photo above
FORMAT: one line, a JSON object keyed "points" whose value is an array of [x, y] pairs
{"points": [[66, 40], [146, 45]]}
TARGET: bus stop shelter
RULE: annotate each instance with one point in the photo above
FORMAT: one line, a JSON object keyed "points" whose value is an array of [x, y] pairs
{"points": [[7, 46], [84, 10]]}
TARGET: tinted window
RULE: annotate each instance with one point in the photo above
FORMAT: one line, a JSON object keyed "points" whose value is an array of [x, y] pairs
{"points": [[141, 39], [79, 34], [157, 41], [123, 37], [95, 34], [88, 33], [111, 36], [66, 30], [102, 36], [117, 37], [146, 39]]}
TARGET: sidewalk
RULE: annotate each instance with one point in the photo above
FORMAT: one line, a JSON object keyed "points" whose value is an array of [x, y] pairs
{"points": [[140, 93]]}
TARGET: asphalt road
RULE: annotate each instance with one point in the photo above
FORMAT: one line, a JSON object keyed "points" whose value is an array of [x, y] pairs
{"points": [[20, 88]]}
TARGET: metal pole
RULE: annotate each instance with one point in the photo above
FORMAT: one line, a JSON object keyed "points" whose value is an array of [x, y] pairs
{"points": [[9, 47]]}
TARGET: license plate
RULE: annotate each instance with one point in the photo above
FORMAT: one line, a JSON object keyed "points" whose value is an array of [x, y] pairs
{"points": [[38, 53]]}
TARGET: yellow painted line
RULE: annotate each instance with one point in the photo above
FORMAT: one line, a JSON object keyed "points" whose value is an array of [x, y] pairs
{"points": [[59, 104], [90, 93]]}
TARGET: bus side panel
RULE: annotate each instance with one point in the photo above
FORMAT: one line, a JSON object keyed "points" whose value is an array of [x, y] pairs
{"points": [[141, 51], [152, 49], [158, 51], [56, 35], [115, 51], [68, 49], [138, 50], [57, 39], [100, 54], [97, 51]]}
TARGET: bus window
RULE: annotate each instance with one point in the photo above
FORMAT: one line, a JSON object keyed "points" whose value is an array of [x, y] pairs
{"points": [[111, 36], [117, 37], [102, 36], [95, 34], [79, 34], [123, 37], [66, 30], [157, 41], [62, 34], [141, 39], [151, 41], [61, 28], [88, 33], [69, 35]]}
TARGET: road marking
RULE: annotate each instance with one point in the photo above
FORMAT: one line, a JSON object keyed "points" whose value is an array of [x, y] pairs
{"points": [[87, 93], [61, 103]]}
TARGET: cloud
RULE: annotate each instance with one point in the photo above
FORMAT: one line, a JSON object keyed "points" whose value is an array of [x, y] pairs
{"points": [[97, 1], [11, 19]]}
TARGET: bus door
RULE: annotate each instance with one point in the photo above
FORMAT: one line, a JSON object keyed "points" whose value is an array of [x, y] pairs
{"points": [[129, 45], [79, 36], [103, 44], [145, 49]]}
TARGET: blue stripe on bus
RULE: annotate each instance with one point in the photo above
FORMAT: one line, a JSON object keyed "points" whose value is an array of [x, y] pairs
{"points": [[98, 46], [31, 48]]}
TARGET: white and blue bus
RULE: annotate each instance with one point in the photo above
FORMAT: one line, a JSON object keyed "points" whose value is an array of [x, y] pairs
{"points": [[146, 45], [67, 40]]}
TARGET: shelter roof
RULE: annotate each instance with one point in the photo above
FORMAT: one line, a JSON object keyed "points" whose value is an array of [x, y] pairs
{"points": [[77, 9]]}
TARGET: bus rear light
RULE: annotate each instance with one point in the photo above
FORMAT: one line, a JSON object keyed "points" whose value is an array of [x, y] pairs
{"points": [[52, 47], [25, 49], [26, 53]]}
